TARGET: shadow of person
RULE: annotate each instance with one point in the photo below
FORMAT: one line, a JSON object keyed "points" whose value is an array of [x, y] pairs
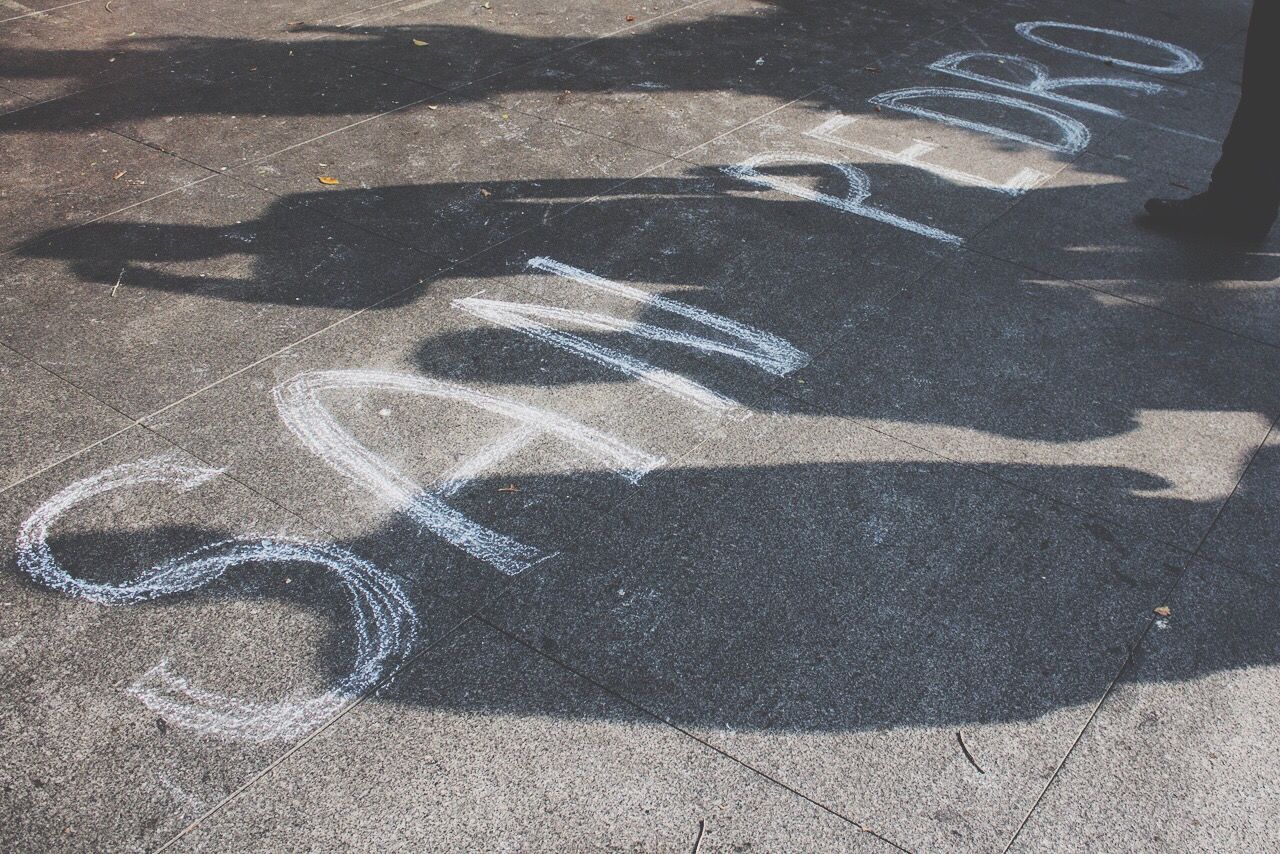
{"points": [[812, 598], [1048, 351], [190, 75]]}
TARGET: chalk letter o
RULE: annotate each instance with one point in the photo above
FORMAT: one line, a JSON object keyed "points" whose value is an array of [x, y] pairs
{"points": [[1184, 60]]}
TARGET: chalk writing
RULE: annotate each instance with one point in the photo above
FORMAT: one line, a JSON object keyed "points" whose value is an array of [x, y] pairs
{"points": [[765, 351], [1041, 84], [1015, 185], [383, 617], [859, 190], [311, 422], [1074, 135], [1184, 61]]}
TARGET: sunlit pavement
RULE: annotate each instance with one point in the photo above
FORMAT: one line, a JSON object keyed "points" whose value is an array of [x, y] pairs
{"points": [[538, 425]]}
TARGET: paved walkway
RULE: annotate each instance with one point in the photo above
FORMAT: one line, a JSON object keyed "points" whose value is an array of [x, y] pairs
{"points": [[584, 425]]}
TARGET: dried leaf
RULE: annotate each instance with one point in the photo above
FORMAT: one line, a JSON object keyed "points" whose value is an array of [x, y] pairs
{"points": [[325, 179], [432, 107], [419, 42], [1163, 611], [485, 192], [631, 18]]}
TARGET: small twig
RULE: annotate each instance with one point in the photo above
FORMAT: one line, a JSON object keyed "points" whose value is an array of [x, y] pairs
{"points": [[119, 278], [967, 754], [702, 828]]}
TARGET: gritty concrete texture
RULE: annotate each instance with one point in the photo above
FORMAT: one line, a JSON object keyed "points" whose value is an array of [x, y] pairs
{"points": [[188, 303], [1098, 242], [51, 180], [1246, 534], [1164, 413], [453, 43], [226, 107], [527, 782], [93, 760], [79, 46], [630, 425], [659, 85], [1185, 735], [457, 182], [538, 493], [69, 419], [794, 569]]}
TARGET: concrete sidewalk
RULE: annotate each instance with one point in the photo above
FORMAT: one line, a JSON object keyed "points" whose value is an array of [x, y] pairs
{"points": [[565, 425]]}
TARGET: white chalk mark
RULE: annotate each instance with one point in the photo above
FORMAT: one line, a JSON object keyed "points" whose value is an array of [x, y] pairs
{"points": [[1075, 136], [1184, 61], [189, 803], [917, 149], [383, 617], [520, 318], [859, 191], [1179, 132], [37, 559], [1042, 84], [485, 459], [765, 351], [421, 4], [307, 418], [1023, 180]]}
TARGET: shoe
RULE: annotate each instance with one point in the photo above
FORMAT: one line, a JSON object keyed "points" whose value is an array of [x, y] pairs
{"points": [[1210, 215]]}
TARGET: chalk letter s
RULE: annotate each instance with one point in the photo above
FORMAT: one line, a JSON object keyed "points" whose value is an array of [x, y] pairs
{"points": [[384, 619]]}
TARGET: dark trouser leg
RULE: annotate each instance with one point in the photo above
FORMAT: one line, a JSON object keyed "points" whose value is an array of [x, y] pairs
{"points": [[1248, 174]]}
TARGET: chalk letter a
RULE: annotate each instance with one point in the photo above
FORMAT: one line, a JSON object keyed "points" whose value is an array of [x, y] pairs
{"points": [[311, 422]]}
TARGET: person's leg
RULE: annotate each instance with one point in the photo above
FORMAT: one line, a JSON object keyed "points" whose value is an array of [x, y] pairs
{"points": [[1244, 193], [1249, 166]]}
